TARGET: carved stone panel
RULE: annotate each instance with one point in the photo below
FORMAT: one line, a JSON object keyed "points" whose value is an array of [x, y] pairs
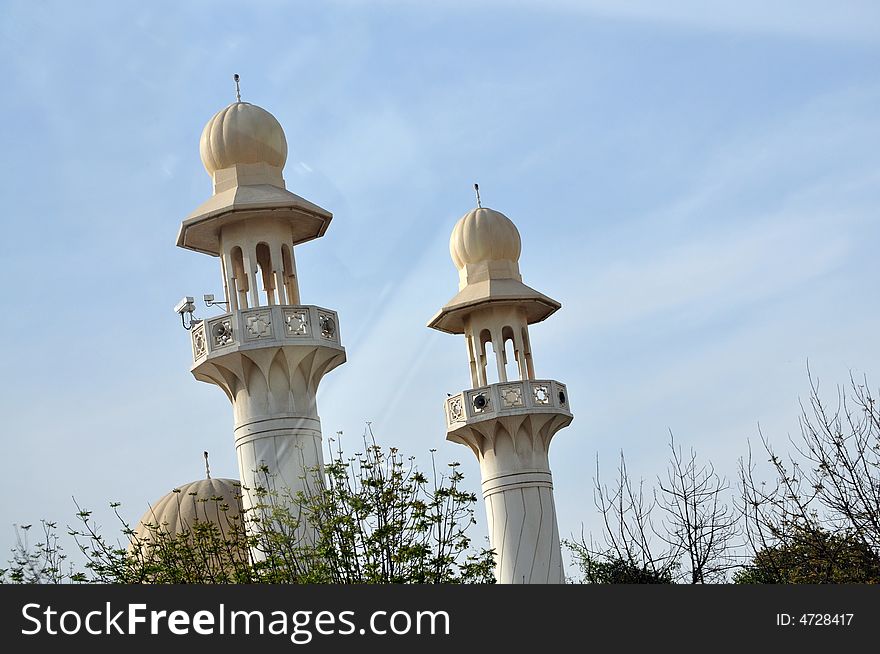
{"points": [[258, 325], [199, 342], [562, 395], [511, 396], [296, 323], [327, 325], [481, 401], [541, 394], [221, 333], [455, 409]]}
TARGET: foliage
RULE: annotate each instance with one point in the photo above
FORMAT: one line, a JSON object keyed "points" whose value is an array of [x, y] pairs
{"points": [[818, 521], [699, 525], [692, 542], [374, 518], [378, 520], [813, 556], [608, 568], [370, 518], [42, 563]]}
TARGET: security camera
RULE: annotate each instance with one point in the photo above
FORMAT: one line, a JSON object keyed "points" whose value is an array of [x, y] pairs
{"points": [[480, 402], [210, 301], [186, 305]]}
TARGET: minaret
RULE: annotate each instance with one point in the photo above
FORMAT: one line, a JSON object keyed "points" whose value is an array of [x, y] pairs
{"points": [[268, 351], [507, 418]]}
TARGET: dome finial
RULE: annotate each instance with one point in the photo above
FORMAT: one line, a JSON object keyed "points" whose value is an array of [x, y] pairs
{"points": [[207, 467], [477, 189], [236, 78]]}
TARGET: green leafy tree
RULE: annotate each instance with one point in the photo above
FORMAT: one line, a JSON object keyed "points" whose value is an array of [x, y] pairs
{"points": [[374, 517], [377, 519], [813, 556], [610, 568]]}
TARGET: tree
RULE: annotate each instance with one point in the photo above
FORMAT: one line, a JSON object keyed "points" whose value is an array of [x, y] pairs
{"points": [[813, 556], [818, 521], [695, 535], [379, 520], [698, 523], [606, 568], [628, 550], [375, 516]]}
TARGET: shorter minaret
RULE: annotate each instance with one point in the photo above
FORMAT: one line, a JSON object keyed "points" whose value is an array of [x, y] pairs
{"points": [[507, 420]]}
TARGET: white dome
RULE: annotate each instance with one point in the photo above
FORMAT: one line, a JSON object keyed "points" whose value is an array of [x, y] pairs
{"points": [[217, 501], [484, 235], [242, 133]]}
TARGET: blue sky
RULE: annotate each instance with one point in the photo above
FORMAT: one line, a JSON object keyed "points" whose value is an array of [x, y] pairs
{"points": [[697, 183]]}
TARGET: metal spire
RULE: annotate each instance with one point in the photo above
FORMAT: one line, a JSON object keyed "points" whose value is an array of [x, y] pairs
{"points": [[237, 87], [207, 467], [477, 189]]}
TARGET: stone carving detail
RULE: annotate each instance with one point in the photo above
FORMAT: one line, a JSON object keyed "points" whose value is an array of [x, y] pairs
{"points": [[221, 333], [259, 325], [482, 402], [456, 409], [541, 394], [200, 345], [296, 323], [327, 325], [511, 396]]}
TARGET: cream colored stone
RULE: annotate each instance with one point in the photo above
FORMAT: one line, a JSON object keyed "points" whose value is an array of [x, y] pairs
{"points": [[269, 352], [507, 423], [485, 246], [484, 234], [244, 150], [242, 133], [214, 501]]}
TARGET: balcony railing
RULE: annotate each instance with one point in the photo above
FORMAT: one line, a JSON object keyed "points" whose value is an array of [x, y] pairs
{"points": [[278, 325], [506, 398]]}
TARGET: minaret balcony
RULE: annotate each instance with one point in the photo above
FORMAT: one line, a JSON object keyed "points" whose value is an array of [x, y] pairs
{"points": [[506, 399], [270, 326]]}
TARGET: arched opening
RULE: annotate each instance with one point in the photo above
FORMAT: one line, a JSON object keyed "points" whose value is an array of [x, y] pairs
{"points": [[511, 355], [485, 353], [288, 264], [472, 360], [527, 354], [239, 277], [228, 295], [492, 363], [264, 264]]}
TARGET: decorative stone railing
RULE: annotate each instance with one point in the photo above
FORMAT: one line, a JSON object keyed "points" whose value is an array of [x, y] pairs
{"points": [[276, 325], [506, 398]]}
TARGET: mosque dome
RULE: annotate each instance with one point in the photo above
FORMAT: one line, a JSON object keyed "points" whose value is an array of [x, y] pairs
{"points": [[484, 235], [216, 501], [242, 133]]}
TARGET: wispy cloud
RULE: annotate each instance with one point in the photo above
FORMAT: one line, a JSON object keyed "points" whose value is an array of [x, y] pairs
{"points": [[816, 19]]}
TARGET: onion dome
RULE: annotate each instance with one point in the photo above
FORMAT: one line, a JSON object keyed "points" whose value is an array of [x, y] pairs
{"points": [[242, 133], [484, 235], [244, 149], [485, 247]]}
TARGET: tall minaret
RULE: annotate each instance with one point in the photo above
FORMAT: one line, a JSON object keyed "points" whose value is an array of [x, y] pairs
{"points": [[506, 418], [269, 351]]}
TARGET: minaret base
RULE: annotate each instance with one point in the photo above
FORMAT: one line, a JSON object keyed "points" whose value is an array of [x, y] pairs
{"points": [[288, 449], [521, 518], [509, 426]]}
